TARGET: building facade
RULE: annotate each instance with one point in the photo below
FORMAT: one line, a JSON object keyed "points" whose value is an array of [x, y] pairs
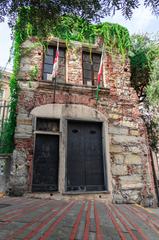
{"points": [[66, 141], [4, 96]]}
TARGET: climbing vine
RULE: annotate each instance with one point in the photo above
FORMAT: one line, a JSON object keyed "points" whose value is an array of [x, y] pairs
{"points": [[115, 37], [20, 35]]}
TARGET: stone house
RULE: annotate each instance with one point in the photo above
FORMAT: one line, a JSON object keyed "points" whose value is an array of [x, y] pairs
{"points": [[68, 143]]}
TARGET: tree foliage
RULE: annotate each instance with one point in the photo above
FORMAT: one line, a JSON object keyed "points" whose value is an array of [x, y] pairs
{"points": [[152, 90], [46, 12], [143, 56], [145, 79]]}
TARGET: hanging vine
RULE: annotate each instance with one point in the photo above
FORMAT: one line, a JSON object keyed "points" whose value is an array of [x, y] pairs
{"points": [[115, 37]]}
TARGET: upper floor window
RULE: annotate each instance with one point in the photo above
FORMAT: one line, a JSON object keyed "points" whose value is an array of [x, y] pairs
{"points": [[48, 64], [91, 64]]}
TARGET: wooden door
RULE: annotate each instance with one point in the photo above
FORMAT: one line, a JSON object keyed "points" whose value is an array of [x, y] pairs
{"points": [[85, 171], [46, 162]]}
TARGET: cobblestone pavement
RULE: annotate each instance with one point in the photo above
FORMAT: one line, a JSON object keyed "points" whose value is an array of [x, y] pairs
{"points": [[28, 218]]}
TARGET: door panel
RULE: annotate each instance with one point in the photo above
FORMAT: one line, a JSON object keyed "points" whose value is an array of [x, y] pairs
{"points": [[46, 161], [85, 157]]}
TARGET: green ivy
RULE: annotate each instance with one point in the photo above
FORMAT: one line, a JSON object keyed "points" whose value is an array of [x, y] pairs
{"points": [[144, 58], [115, 36], [143, 54], [7, 136], [152, 89]]}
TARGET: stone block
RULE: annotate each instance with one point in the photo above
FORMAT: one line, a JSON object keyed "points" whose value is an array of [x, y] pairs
{"points": [[127, 196], [25, 68], [27, 44], [114, 116], [119, 170], [24, 122], [126, 139], [118, 158], [118, 130], [133, 159], [116, 149], [23, 116], [131, 182], [134, 169], [134, 133], [23, 131], [135, 149], [19, 157], [129, 124], [19, 181]]}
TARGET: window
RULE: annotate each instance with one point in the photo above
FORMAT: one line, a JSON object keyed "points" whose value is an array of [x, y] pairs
{"points": [[48, 64], [91, 68], [1, 94]]}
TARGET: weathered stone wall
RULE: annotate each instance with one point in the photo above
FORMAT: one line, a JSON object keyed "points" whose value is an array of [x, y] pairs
{"points": [[5, 161], [130, 168]]}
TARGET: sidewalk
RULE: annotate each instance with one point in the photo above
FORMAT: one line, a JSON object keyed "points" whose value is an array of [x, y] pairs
{"points": [[26, 218]]}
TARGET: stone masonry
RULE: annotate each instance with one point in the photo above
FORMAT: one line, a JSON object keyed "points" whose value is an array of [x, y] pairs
{"points": [[128, 162]]}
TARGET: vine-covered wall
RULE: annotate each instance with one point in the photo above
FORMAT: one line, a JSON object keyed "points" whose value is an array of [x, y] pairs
{"points": [[115, 37]]}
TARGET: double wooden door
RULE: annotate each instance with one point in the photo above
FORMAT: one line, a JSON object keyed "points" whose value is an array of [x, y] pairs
{"points": [[85, 170]]}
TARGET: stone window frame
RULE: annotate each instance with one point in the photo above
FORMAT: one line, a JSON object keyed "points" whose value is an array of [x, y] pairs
{"points": [[50, 58], [91, 55]]}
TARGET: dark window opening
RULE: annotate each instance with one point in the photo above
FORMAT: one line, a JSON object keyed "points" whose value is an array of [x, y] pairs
{"points": [[44, 124], [48, 64], [91, 64]]}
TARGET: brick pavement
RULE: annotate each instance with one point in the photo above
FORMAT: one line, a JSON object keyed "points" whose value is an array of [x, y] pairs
{"points": [[28, 218]]}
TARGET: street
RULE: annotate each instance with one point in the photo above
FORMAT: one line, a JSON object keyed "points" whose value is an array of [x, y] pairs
{"points": [[29, 218]]}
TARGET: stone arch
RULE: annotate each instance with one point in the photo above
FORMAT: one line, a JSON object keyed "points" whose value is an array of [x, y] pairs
{"points": [[65, 112], [73, 111]]}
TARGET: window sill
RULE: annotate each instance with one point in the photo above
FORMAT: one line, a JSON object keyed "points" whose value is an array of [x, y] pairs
{"points": [[72, 87]]}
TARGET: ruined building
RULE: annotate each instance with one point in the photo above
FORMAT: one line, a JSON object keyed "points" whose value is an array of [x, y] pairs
{"points": [[68, 142]]}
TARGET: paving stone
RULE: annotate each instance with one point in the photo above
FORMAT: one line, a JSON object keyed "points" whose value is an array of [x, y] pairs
{"points": [[24, 219]]}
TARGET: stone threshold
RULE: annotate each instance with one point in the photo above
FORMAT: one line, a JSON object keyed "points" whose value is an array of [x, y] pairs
{"points": [[84, 193], [102, 195]]}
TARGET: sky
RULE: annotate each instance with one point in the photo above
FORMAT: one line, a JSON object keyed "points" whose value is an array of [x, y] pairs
{"points": [[141, 22]]}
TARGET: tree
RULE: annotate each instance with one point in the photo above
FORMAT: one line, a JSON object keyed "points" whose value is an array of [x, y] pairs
{"points": [[42, 12], [143, 57], [152, 89]]}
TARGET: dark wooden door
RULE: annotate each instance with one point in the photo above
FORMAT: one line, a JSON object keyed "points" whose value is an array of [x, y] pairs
{"points": [[85, 170], [46, 162]]}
